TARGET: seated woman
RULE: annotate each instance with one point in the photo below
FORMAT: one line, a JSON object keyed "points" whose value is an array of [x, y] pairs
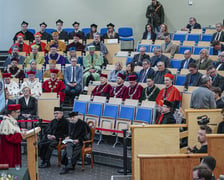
{"points": [[149, 34], [130, 70], [203, 62], [163, 30], [28, 107], [33, 67], [115, 72]]}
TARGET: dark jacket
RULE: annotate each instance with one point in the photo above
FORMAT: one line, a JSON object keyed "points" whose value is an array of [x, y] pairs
{"points": [[196, 26], [196, 82], [221, 37], [105, 36], [152, 93], [221, 68], [136, 59], [155, 18], [63, 35], [154, 60], [27, 36], [45, 36], [216, 52], [221, 128], [218, 81], [159, 76], [31, 108], [220, 103], [183, 62], [153, 36], [150, 74], [168, 118]]}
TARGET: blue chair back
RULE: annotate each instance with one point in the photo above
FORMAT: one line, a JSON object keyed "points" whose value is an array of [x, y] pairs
{"points": [[180, 79], [184, 48], [129, 59], [95, 109], [68, 30], [153, 46], [197, 50], [103, 31], [175, 63], [111, 110], [211, 50], [144, 45], [206, 37], [49, 30], [33, 31], [193, 37], [80, 106], [86, 30], [144, 114], [127, 112], [179, 37], [125, 31]]}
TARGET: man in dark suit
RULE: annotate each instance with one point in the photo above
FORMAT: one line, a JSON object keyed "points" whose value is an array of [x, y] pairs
{"points": [[76, 31], [158, 56], [192, 25], [138, 58], [146, 72], [73, 79], [193, 78], [187, 60], [219, 35], [218, 47], [220, 65], [62, 34], [27, 34], [217, 80]]}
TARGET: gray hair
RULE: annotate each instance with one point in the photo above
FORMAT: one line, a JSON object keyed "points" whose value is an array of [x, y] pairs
{"points": [[205, 79]]}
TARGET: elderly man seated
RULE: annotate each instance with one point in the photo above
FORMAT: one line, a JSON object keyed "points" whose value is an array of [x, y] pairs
{"points": [[52, 65], [187, 60], [158, 56], [220, 65], [11, 86], [138, 58], [146, 72], [159, 75], [76, 44], [54, 56], [23, 47], [192, 25]]}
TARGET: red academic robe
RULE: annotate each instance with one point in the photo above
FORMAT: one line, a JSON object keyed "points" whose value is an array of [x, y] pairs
{"points": [[118, 91], [42, 45], [102, 90], [55, 86], [172, 94], [134, 93], [26, 48], [10, 149]]}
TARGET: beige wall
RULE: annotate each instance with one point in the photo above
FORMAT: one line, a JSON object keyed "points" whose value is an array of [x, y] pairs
{"points": [[119, 12]]}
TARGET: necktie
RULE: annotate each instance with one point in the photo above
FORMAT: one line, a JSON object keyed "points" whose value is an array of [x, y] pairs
{"points": [[186, 64], [34, 56], [139, 58], [219, 66], [217, 36], [92, 59], [143, 76], [73, 76]]}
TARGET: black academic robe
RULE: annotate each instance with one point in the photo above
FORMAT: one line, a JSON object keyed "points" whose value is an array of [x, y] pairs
{"points": [[80, 33], [167, 118], [27, 36], [63, 35], [106, 36], [31, 108], [150, 94], [90, 35], [45, 36]]}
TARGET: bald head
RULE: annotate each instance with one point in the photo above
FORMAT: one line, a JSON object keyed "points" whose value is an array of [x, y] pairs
{"points": [[142, 50], [187, 54]]}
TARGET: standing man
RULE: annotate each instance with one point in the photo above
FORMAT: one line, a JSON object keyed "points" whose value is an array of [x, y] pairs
{"points": [[146, 72], [27, 35], [44, 34], [62, 34], [155, 14], [76, 31], [119, 90], [57, 128]]}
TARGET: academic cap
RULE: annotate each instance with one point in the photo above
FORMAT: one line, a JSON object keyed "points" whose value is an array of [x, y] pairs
{"points": [[59, 21], [43, 23], [24, 22]]}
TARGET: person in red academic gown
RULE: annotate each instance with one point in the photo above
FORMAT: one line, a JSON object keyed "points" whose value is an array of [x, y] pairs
{"points": [[21, 45], [169, 93], [10, 137], [38, 42], [119, 90], [134, 90], [54, 85], [104, 88]]}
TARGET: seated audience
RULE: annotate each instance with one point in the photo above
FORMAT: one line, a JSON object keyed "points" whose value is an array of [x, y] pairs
{"points": [[168, 46], [216, 78], [159, 75], [219, 34], [210, 163], [146, 72], [202, 172], [54, 85], [204, 129], [187, 60], [79, 132], [111, 34], [130, 70], [44, 34], [56, 129], [92, 66], [192, 25], [193, 78], [33, 67], [169, 93], [62, 34], [72, 54], [166, 115], [202, 97], [34, 56], [220, 129], [73, 79], [104, 88], [150, 92], [15, 71], [28, 107], [92, 32], [23, 47], [163, 30], [115, 72], [14, 54], [52, 65], [119, 90], [217, 47], [158, 56], [33, 84], [26, 34], [11, 86], [76, 31], [220, 65], [149, 34], [41, 45], [53, 55], [218, 97], [56, 42], [8, 101], [138, 58], [76, 43], [134, 90], [204, 62]]}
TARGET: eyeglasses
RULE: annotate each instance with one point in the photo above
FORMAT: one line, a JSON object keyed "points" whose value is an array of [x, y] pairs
{"points": [[159, 65]]}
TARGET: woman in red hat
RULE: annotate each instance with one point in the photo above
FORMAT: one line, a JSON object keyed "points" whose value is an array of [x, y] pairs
{"points": [[10, 137]]}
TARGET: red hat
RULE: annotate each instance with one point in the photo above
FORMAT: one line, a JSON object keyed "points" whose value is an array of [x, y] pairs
{"points": [[122, 76], [132, 78], [169, 76], [77, 35], [30, 72], [13, 107], [5, 75], [20, 34], [54, 71], [103, 75], [37, 34]]}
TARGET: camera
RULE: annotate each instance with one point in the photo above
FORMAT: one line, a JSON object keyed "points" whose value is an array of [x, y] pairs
{"points": [[203, 120]]}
